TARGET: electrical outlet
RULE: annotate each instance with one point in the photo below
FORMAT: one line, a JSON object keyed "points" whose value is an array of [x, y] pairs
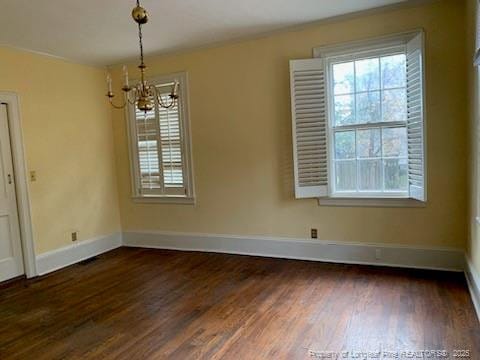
{"points": [[75, 236], [314, 233], [378, 254], [33, 176]]}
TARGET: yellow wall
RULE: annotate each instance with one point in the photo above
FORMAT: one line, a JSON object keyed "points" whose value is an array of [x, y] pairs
{"points": [[242, 149], [473, 247], [68, 140]]}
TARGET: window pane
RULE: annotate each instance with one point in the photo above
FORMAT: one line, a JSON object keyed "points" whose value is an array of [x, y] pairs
{"points": [[393, 71], [394, 142], [370, 91], [346, 175], [370, 175], [367, 74], [344, 110], [368, 107], [394, 105], [343, 78], [345, 145], [368, 143], [396, 174]]}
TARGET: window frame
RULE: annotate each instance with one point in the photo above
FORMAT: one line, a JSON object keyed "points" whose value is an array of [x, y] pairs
{"points": [[388, 50], [152, 196], [368, 46]]}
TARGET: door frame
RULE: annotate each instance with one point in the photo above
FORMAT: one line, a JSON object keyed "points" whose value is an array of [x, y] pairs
{"points": [[21, 183]]}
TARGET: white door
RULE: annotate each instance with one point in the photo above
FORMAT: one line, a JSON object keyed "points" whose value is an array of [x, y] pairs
{"points": [[11, 259]]}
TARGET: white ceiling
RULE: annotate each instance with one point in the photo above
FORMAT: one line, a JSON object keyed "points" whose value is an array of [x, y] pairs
{"points": [[102, 32]]}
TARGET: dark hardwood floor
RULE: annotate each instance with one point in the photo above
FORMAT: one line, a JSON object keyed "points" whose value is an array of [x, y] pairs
{"points": [[137, 304]]}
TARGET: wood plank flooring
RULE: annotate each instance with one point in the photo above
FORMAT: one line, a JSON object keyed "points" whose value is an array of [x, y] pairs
{"points": [[155, 304]]}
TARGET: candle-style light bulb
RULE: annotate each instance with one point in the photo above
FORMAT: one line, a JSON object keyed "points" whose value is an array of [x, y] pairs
{"points": [[125, 74], [109, 83], [175, 90]]}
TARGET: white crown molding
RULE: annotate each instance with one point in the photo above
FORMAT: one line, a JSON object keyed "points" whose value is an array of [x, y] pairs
{"points": [[239, 39], [53, 57], [298, 27]]}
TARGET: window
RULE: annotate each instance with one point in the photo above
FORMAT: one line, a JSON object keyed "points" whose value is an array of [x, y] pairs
{"points": [[160, 147], [358, 122], [368, 125]]}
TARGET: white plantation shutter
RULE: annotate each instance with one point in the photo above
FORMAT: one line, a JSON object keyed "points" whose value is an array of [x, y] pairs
{"points": [[172, 163], [148, 149], [309, 127], [415, 119], [160, 146]]}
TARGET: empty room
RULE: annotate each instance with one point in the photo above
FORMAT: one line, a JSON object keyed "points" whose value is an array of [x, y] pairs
{"points": [[240, 179]]}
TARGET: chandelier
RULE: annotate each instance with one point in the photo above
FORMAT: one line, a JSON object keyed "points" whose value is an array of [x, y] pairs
{"points": [[142, 95]]}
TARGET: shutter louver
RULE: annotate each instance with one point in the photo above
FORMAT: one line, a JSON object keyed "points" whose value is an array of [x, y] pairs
{"points": [[309, 127], [415, 119], [147, 142]]}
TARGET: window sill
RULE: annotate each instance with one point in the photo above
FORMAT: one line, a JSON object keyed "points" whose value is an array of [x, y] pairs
{"points": [[371, 202], [181, 200]]}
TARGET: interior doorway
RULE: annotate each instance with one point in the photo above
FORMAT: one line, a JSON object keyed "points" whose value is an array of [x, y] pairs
{"points": [[11, 255], [17, 252]]}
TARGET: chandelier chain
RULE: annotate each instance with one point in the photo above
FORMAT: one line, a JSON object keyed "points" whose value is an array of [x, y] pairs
{"points": [[140, 40], [144, 96]]}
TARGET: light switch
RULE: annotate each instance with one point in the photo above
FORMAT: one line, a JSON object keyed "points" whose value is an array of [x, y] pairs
{"points": [[33, 176]]}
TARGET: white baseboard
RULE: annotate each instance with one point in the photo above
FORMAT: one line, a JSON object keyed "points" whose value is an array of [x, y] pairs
{"points": [[81, 250], [473, 280], [302, 249], [449, 259]]}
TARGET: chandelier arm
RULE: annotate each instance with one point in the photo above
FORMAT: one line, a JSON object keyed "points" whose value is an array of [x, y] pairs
{"points": [[134, 101], [122, 106], [174, 101], [164, 104], [161, 102], [158, 95]]}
